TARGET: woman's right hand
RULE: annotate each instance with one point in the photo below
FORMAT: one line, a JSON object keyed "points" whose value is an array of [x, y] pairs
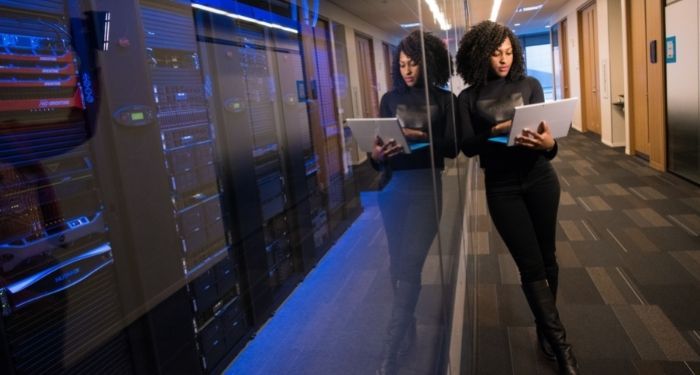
{"points": [[501, 128], [384, 150]]}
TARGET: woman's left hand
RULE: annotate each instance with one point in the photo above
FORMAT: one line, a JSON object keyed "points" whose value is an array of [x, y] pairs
{"points": [[414, 134], [539, 140]]}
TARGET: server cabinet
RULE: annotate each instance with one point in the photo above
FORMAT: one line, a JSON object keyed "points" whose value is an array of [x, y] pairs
{"points": [[263, 196], [274, 102], [305, 197], [178, 265], [340, 197], [164, 184], [61, 310]]}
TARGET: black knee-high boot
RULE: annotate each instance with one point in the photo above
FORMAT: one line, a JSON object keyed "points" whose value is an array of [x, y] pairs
{"points": [[553, 281], [541, 300], [404, 305]]}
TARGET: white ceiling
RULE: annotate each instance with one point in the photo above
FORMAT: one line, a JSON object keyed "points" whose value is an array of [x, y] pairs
{"points": [[388, 15], [530, 22]]}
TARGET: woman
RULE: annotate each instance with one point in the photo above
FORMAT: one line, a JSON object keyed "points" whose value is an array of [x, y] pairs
{"points": [[408, 202], [522, 188]]}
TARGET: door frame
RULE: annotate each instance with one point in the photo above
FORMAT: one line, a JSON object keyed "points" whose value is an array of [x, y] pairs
{"points": [[562, 41]]}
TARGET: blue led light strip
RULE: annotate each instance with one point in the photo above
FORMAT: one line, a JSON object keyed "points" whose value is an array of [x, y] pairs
{"points": [[244, 18]]}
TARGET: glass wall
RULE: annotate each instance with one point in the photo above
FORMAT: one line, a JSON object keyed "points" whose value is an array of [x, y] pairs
{"points": [[181, 191]]}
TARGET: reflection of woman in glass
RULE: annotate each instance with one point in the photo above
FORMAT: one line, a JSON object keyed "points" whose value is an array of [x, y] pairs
{"points": [[522, 188], [410, 203]]}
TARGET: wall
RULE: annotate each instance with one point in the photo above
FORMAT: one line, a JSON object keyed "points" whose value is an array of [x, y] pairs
{"points": [[625, 70], [568, 11], [617, 70], [612, 129], [352, 23], [604, 71]]}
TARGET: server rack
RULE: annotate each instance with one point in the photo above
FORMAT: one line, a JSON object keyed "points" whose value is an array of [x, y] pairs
{"points": [[188, 144], [61, 310], [307, 206], [273, 97], [340, 196], [157, 150], [240, 64], [128, 205]]}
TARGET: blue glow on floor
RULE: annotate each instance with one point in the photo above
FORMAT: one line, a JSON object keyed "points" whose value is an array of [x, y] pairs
{"points": [[293, 339]]}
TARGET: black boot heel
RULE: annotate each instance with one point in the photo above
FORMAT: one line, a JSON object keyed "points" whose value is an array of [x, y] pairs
{"points": [[541, 301]]}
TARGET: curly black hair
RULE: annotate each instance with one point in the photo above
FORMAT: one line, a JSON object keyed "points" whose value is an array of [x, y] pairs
{"points": [[476, 47], [437, 64]]}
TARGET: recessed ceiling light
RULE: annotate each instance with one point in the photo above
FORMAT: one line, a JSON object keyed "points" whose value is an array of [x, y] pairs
{"points": [[410, 25], [516, 25]]}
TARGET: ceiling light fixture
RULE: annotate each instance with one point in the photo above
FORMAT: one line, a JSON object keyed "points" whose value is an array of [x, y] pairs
{"points": [[494, 10], [516, 25], [438, 16], [529, 9], [410, 25]]}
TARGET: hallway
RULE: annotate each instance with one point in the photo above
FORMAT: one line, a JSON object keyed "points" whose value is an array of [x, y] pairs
{"points": [[629, 254]]}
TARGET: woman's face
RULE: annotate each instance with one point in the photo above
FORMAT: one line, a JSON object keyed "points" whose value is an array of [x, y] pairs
{"points": [[410, 70], [502, 58]]}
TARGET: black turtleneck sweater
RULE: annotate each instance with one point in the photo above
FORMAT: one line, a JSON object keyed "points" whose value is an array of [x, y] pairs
{"points": [[409, 105], [482, 107]]}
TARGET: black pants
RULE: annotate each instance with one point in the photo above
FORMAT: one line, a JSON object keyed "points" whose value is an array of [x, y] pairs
{"points": [[408, 208], [409, 205], [523, 206]]}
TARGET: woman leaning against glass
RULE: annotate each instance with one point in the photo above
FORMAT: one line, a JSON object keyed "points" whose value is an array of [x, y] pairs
{"points": [[522, 188]]}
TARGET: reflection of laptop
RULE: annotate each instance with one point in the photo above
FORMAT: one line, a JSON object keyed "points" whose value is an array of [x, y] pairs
{"points": [[365, 130]]}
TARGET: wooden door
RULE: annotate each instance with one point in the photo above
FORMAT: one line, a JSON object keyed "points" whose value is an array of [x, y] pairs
{"points": [[320, 92], [388, 59], [345, 109], [638, 107], [656, 98], [368, 78], [590, 91]]}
